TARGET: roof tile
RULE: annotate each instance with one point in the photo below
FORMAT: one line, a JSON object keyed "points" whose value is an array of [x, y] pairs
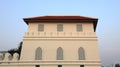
{"points": [[60, 18]]}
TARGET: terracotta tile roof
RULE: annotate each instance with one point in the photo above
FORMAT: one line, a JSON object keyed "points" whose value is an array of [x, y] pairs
{"points": [[61, 18]]}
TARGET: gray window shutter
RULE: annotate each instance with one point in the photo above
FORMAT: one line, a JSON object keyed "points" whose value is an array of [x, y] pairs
{"points": [[38, 54], [81, 53], [79, 27], [59, 27], [59, 53], [41, 27]]}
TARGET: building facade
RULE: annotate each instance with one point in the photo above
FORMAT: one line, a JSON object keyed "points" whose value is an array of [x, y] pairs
{"points": [[57, 41]]}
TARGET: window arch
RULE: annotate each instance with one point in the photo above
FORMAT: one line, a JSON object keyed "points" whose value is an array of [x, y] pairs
{"points": [[81, 53], [59, 53], [38, 54]]}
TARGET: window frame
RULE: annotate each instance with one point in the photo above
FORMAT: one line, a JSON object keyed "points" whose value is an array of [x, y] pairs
{"points": [[81, 53], [59, 65], [79, 27], [38, 53], [40, 27], [82, 66], [59, 27], [37, 65], [59, 54]]}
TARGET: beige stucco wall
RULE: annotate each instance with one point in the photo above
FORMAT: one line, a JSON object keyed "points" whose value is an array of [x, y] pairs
{"points": [[67, 27], [49, 40], [33, 65], [50, 64], [70, 48], [69, 44]]}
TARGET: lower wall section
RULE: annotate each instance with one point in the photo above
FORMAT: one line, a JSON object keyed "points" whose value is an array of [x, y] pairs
{"points": [[50, 63], [50, 66]]}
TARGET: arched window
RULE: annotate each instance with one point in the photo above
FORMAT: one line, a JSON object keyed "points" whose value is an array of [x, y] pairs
{"points": [[59, 53], [38, 54], [81, 53]]}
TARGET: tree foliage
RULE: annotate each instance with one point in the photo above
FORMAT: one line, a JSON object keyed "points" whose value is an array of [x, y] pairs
{"points": [[117, 65]]}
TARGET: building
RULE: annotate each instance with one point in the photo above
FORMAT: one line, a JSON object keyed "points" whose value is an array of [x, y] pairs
{"points": [[57, 41]]}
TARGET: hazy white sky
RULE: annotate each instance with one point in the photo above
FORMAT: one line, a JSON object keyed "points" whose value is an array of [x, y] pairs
{"points": [[12, 27]]}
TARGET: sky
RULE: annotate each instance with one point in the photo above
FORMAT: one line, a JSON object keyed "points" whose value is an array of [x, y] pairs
{"points": [[12, 26]]}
